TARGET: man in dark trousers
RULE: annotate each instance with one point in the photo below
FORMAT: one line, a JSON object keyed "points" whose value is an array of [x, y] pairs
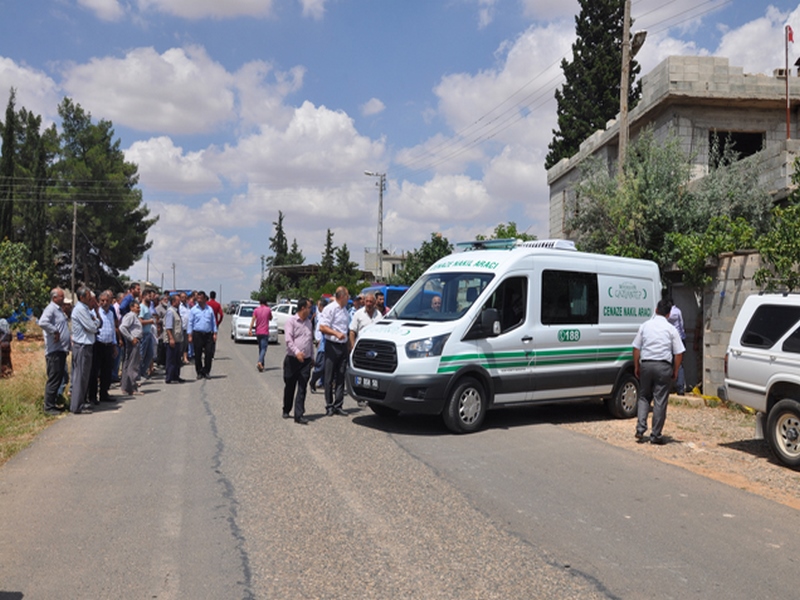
{"points": [[298, 361], [657, 355]]}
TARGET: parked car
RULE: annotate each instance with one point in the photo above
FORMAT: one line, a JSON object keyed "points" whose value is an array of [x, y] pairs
{"points": [[240, 324], [762, 369], [282, 312]]}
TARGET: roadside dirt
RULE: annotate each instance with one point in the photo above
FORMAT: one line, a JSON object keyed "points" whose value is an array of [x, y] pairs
{"points": [[715, 442]]}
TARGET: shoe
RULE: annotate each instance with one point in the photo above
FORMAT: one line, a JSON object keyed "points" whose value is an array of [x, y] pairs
{"points": [[260, 367], [340, 412], [658, 441], [286, 415], [207, 375], [640, 439], [313, 388], [52, 412], [109, 399], [329, 412], [179, 380], [85, 409], [200, 376], [301, 421]]}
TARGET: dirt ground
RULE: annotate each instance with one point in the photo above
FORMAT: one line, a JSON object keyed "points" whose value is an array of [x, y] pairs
{"points": [[716, 442]]}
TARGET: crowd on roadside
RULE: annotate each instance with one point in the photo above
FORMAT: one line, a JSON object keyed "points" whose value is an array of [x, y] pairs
{"points": [[122, 340]]}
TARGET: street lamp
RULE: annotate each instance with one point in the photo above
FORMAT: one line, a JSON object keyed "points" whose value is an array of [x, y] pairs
{"points": [[629, 50], [381, 183]]}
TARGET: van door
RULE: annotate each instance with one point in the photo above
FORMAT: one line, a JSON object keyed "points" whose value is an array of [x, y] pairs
{"points": [[508, 356], [566, 338]]}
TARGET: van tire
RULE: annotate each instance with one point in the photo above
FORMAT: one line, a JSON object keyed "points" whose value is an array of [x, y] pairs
{"points": [[466, 407], [783, 432], [622, 404], [385, 412]]}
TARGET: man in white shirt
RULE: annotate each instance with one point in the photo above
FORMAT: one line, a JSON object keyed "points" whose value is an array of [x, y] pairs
{"points": [[334, 324], [657, 356]]}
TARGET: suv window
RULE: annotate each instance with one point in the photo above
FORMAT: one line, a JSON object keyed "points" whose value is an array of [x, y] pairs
{"points": [[569, 298], [769, 324]]}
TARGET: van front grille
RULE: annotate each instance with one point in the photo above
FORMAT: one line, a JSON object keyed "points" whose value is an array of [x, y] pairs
{"points": [[371, 355]]}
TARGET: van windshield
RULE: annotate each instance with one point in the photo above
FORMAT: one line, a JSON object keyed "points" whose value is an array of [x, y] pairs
{"points": [[440, 296]]}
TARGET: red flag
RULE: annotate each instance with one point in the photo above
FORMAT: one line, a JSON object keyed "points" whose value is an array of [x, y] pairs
{"points": [[789, 33]]}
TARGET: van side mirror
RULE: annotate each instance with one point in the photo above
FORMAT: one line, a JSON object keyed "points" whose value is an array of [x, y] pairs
{"points": [[490, 321]]}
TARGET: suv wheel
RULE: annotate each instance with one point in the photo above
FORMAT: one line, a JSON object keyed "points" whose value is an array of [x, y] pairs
{"points": [[783, 432]]}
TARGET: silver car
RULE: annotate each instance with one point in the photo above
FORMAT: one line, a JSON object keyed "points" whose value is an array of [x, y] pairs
{"points": [[240, 324]]}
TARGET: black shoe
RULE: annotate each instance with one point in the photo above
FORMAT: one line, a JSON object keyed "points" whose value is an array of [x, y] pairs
{"points": [[200, 376], [658, 441], [52, 412], [329, 412], [340, 412], [640, 439], [286, 415], [85, 409], [301, 420], [313, 387], [207, 375], [109, 400], [179, 380]]}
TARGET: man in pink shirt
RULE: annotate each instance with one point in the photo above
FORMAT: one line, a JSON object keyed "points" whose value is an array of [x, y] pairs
{"points": [[297, 363], [261, 318]]}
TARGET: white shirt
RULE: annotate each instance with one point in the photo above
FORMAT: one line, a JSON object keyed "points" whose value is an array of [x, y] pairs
{"points": [[361, 319], [657, 339], [337, 318]]}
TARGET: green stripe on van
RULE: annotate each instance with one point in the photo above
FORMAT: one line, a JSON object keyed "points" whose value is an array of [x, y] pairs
{"points": [[545, 358]]}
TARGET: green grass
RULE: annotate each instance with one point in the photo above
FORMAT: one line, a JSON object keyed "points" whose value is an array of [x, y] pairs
{"points": [[21, 399]]}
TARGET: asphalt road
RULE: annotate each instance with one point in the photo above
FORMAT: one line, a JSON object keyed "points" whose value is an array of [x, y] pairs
{"points": [[202, 490]]}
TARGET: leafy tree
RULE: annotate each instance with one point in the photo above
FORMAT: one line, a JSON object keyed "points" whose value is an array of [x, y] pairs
{"points": [[295, 256], [508, 231], [21, 281], [93, 177], [590, 95], [7, 170], [780, 247], [418, 261]]}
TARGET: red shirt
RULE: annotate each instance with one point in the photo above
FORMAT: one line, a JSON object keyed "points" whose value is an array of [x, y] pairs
{"points": [[263, 315], [215, 306]]}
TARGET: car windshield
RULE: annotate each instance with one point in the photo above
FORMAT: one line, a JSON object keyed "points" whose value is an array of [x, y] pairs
{"points": [[246, 311], [440, 296]]}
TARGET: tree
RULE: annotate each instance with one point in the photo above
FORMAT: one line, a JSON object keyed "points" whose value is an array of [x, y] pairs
{"points": [[328, 260], [93, 178], [418, 261], [278, 244], [508, 231], [295, 256], [780, 248], [21, 281], [590, 95], [8, 150]]}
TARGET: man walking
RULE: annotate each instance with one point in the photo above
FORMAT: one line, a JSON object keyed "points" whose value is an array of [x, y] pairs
{"points": [[55, 326], [202, 333], [262, 315], [334, 323], [298, 361], [216, 307], [657, 355], [85, 325]]}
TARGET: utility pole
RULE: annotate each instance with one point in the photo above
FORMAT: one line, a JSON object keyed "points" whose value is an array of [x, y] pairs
{"points": [[173, 277], [74, 258], [379, 246], [624, 86]]}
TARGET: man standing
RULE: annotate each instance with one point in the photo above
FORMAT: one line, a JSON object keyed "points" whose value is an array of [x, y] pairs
{"points": [[161, 335], [202, 332], [657, 355], [215, 306], [173, 328], [358, 303], [134, 290], [54, 324], [147, 319], [298, 361], [262, 315], [106, 347], [334, 323], [85, 325], [367, 315], [676, 320]]}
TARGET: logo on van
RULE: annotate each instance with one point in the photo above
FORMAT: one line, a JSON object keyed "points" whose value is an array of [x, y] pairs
{"points": [[627, 291]]}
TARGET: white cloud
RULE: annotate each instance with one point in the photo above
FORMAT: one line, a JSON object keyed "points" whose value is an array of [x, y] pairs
{"points": [[263, 102], [201, 9], [164, 167], [106, 10], [550, 9], [758, 46], [37, 92], [313, 8], [179, 91], [371, 107]]}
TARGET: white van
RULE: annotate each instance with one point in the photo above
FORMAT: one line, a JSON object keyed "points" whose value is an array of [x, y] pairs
{"points": [[508, 323]]}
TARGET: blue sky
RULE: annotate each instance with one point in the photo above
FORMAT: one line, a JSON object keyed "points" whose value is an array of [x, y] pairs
{"points": [[237, 109]]}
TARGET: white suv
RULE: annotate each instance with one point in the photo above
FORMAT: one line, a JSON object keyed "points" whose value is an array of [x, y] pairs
{"points": [[762, 369]]}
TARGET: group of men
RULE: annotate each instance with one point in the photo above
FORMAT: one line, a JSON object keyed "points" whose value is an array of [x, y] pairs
{"points": [[121, 339], [336, 331]]}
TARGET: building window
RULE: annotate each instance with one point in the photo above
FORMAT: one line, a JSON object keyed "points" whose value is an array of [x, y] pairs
{"points": [[743, 143]]}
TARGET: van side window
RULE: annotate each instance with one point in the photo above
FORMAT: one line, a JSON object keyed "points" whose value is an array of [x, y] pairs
{"points": [[511, 300], [569, 298], [768, 324]]}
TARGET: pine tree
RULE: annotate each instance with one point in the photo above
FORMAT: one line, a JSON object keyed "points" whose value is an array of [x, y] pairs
{"points": [[278, 244], [328, 262], [590, 95], [7, 161]]}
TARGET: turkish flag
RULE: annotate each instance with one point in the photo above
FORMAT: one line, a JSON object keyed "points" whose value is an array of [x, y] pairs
{"points": [[789, 33]]}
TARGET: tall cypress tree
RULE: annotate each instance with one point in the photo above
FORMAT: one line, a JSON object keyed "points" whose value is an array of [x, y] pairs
{"points": [[7, 161], [590, 95]]}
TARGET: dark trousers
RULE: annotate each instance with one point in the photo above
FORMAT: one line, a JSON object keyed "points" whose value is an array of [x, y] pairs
{"points": [[56, 369], [203, 342], [335, 368], [174, 361], [655, 381], [81, 371], [295, 375], [102, 365]]}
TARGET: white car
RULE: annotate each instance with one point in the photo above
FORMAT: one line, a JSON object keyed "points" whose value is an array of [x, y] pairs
{"points": [[281, 313], [240, 324], [762, 369]]}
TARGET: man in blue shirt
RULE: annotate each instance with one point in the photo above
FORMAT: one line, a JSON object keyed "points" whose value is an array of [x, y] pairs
{"points": [[85, 325], [55, 326], [106, 348], [202, 334]]}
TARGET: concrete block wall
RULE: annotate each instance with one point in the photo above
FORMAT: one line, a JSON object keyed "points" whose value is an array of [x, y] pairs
{"points": [[723, 299]]}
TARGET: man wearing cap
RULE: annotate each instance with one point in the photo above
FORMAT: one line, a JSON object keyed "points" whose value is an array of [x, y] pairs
{"points": [[657, 356]]}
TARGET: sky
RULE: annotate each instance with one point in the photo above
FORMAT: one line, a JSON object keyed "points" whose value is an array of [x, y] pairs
{"points": [[234, 110]]}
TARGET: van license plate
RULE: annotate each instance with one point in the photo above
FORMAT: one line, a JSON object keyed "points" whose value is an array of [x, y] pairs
{"points": [[367, 382]]}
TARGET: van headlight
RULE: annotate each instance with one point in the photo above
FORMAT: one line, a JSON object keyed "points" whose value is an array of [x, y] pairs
{"points": [[431, 346]]}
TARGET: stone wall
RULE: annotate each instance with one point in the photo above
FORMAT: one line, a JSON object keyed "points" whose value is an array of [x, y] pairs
{"points": [[723, 299]]}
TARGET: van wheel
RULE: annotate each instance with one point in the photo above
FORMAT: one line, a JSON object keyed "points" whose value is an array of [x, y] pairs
{"points": [[783, 432], [466, 407], [622, 404], [383, 411]]}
